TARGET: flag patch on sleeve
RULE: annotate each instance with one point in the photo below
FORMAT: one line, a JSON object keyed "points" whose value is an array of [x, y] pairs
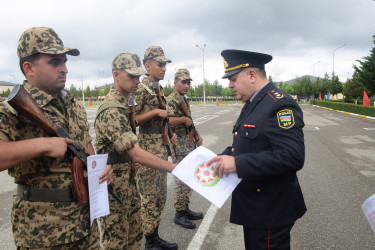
{"points": [[285, 118]]}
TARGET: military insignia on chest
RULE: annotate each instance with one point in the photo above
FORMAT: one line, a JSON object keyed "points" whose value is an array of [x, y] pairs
{"points": [[285, 118], [276, 94]]}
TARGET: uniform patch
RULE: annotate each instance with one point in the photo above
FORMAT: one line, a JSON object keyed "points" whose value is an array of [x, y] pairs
{"points": [[276, 94], [285, 118]]}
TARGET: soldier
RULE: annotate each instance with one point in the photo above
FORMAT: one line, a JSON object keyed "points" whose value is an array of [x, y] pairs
{"points": [[267, 151], [45, 214], [2, 98], [151, 183], [182, 126], [115, 135]]}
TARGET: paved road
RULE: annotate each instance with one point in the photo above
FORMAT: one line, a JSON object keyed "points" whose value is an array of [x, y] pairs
{"points": [[339, 174]]}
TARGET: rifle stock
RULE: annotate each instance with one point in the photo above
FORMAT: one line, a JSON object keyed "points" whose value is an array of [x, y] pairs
{"points": [[193, 134], [22, 102], [167, 130]]}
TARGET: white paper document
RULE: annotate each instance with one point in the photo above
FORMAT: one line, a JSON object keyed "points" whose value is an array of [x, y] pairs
{"points": [[368, 208], [98, 193], [194, 171]]}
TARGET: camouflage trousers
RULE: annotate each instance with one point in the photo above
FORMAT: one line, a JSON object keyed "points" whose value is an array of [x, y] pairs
{"points": [[182, 192], [91, 242], [121, 229], [152, 186]]}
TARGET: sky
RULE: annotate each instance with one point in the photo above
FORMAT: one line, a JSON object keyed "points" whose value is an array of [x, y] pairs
{"points": [[304, 37]]}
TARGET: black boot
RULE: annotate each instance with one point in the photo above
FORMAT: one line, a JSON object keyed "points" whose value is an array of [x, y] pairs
{"points": [[182, 219], [154, 242], [193, 215], [151, 243]]}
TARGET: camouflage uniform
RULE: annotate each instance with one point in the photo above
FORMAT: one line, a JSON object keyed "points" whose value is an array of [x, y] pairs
{"points": [[37, 224], [182, 192], [121, 229], [47, 224], [151, 183]]}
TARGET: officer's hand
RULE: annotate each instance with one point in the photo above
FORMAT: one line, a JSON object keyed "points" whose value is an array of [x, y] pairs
{"points": [[174, 139], [188, 122], [225, 164], [106, 175], [200, 142], [161, 113], [56, 146]]}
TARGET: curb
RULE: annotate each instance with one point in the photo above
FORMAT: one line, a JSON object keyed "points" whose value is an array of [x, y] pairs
{"points": [[370, 118]]}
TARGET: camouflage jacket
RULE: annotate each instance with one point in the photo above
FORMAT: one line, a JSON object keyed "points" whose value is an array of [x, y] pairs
{"points": [[174, 110], [44, 224], [146, 101], [113, 130]]}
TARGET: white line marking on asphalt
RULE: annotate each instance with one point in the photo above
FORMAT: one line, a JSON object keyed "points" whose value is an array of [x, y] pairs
{"points": [[369, 128], [200, 235]]}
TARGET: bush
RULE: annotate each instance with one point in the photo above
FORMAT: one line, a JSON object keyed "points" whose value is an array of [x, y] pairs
{"points": [[348, 107]]}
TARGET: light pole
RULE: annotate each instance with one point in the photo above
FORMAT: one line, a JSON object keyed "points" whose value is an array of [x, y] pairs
{"points": [[333, 69], [204, 84], [314, 67]]}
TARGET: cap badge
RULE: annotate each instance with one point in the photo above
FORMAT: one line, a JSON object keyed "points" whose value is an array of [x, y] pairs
{"points": [[225, 63]]}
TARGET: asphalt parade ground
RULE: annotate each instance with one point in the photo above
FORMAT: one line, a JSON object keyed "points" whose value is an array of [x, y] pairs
{"points": [[338, 176]]}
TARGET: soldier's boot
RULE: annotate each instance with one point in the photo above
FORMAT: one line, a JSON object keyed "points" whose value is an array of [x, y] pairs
{"points": [[154, 242], [181, 218], [193, 215]]}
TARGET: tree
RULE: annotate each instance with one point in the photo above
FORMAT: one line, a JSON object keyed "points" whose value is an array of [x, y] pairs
{"points": [[227, 92], [325, 84], [335, 86], [168, 89], [217, 88], [288, 89], [353, 89], [366, 71]]}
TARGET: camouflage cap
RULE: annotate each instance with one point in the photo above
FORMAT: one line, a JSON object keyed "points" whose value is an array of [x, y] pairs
{"points": [[42, 40], [156, 53], [129, 62], [183, 74]]}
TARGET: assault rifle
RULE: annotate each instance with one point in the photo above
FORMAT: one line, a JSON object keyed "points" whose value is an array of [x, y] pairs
{"points": [[22, 102], [167, 127], [131, 104], [193, 134]]}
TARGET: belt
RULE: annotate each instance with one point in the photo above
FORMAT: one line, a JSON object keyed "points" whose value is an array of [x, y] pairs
{"points": [[151, 130], [46, 195], [115, 157]]}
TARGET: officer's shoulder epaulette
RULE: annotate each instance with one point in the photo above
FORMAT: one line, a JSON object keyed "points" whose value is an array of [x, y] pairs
{"points": [[276, 94]]}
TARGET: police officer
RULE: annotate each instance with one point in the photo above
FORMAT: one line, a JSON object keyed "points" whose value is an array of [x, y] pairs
{"points": [[151, 183], [114, 135], [267, 151], [44, 213], [182, 127]]}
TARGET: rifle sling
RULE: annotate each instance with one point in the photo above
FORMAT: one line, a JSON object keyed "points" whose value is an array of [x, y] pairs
{"points": [[115, 158], [46, 195]]}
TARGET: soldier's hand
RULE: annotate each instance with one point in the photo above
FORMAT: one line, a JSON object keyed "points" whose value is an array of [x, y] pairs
{"points": [[162, 113], [225, 164], [56, 146], [188, 122], [200, 142], [106, 175], [174, 139]]}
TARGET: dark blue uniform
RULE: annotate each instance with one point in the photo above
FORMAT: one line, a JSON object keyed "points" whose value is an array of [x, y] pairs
{"points": [[268, 147]]}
